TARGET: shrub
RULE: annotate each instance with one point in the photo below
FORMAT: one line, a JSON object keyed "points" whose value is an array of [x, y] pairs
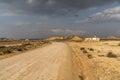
{"points": [[89, 56], [91, 49], [111, 55], [7, 51], [1, 53], [119, 44], [82, 48], [19, 49], [101, 55], [26, 44], [85, 51], [81, 77], [2, 46]]}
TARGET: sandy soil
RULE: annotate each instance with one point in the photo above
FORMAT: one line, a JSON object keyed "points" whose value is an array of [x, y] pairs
{"points": [[52, 62], [60, 61], [99, 67]]}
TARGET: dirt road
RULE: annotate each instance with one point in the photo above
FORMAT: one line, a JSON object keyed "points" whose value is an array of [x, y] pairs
{"points": [[52, 62]]}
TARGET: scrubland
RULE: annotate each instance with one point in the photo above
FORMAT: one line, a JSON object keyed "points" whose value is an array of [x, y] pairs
{"points": [[10, 48], [67, 60], [97, 60]]}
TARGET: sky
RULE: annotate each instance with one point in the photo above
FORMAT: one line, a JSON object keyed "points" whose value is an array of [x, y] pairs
{"points": [[45, 18]]}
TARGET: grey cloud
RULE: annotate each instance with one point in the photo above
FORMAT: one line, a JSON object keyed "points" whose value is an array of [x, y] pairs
{"points": [[52, 7], [27, 30], [37, 30], [108, 15], [118, 32], [68, 31]]}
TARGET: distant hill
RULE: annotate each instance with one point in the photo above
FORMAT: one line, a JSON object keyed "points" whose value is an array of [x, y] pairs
{"points": [[8, 39], [73, 37], [112, 37], [55, 38]]}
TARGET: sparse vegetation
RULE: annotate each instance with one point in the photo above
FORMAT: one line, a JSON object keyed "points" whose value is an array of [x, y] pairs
{"points": [[24, 46], [91, 49], [101, 55], [89, 56], [2, 47], [82, 48], [19, 49], [7, 51], [85, 51], [119, 44], [81, 77], [111, 55]]}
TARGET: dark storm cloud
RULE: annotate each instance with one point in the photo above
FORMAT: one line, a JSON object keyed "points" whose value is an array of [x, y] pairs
{"points": [[52, 7]]}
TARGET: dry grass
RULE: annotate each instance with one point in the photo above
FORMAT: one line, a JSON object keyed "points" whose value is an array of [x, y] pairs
{"points": [[20, 48], [89, 56], [82, 48], [103, 57], [111, 55], [91, 49], [81, 77]]}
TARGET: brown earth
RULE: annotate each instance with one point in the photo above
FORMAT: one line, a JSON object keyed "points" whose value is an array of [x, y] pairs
{"points": [[60, 61], [97, 66], [53, 62]]}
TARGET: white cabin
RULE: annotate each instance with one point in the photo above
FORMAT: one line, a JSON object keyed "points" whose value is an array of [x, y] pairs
{"points": [[92, 39]]}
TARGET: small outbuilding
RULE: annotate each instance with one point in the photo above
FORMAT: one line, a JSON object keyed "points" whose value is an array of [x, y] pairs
{"points": [[95, 39]]}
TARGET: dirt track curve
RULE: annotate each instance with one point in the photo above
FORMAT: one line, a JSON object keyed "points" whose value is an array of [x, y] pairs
{"points": [[52, 62]]}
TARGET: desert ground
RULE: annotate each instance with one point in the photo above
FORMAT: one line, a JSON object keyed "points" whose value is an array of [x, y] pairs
{"points": [[10, 48], [93, 61], [69, 60]]}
